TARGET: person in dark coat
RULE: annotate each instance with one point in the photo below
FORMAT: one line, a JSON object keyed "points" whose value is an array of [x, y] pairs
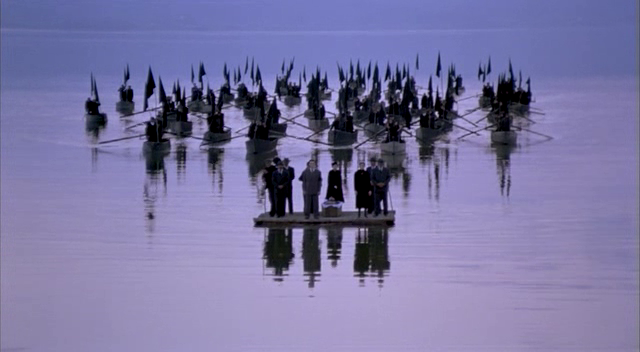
{"points": [[380, 181], [267, 177], [362, 185], [292, 174], [311, 179], [280, 181], [370, 168], [334, 188]]}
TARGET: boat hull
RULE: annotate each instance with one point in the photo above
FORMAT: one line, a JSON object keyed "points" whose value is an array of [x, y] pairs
{"points": [[215, 138], [504, 137], [484, 102], [278, 130], [95, 119], [125, 107], [393, 148], [318, 125], [182, 128], [156, 148], [342, 138], [291, 100], [373, 128], [260, 146], [195, 105]]}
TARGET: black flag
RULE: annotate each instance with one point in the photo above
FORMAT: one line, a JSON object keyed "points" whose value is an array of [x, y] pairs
{"points": [[161, 92], [304, 73], [246, 65], [192, 75], [488, 70], [201, 72], [417, 61], [387, 74], [126, 74], [480, 72], [430, 89], [149, 87], [438, 66]]}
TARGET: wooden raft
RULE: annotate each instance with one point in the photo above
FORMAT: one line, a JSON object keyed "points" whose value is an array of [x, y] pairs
{"points": [[347, 218]]}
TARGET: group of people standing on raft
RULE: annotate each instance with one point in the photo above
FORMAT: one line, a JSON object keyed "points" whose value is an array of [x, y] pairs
{"points": [[371, 186]]}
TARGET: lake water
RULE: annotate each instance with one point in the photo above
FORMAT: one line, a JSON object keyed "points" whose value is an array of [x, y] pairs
{"points": [[529, 248]]}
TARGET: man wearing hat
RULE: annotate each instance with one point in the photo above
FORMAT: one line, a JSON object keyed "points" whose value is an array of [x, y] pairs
{"points": [[380, 181], [280, 180], [292, 174], [267, 177]]}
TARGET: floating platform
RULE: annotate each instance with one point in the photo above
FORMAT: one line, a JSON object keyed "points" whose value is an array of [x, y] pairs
{"points": [[347, 218]]}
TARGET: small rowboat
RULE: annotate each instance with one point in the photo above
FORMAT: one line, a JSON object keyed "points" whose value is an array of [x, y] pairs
{"points": [[156, 148], [259, 146], [325, 94], [484, 102], [252, 112], [95, 119], [214, 137], [290, 100], [206, 108], [309, 113], [195, 105], [393, 148], [373, 128], [361, 115], [318, 125], [427, 135], [504, 137], [337, 137], [125, 107], [278, 130], [227, 98], [518, 109], [182, 128]]}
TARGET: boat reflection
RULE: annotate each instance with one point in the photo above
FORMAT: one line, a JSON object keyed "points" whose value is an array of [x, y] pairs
{"points": [[334, 244], [181, 160], [503, 165], [155, 174], [371, 257], [214, 158], [278, 251]]}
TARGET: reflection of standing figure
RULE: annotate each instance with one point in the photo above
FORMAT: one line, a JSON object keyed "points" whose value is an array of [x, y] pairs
{"points": [[311, 254], [334, 244], [278, 250], [379, 252], [361, 256]]}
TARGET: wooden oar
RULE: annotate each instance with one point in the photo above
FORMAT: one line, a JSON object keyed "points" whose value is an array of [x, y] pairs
{"points": [[534, 132], [306, 140], [476, 132], [296, 123], [539, 113], [121, 139], [467, 113], [317, 132], [368, 139], [219, 141], [458, 126], [134, 126], [473, 96], [141, 112]]}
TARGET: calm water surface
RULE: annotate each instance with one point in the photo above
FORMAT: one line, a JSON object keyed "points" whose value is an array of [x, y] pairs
{"points": [[529, 248]]}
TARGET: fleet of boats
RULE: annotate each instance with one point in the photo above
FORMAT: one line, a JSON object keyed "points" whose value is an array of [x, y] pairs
{"points": [[402, 94]]}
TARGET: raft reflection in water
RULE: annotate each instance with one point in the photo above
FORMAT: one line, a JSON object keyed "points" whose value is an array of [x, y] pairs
{"points": [[371, 252]]}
